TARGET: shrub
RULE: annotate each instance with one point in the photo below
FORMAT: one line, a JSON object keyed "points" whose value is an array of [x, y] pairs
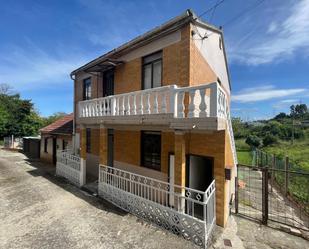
{"points": [[254, 141], [269, 139]]}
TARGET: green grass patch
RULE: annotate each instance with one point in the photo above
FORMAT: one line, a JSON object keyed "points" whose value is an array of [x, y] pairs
{"points": [[244, 157]]}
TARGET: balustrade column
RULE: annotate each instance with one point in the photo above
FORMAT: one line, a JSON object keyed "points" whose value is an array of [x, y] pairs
{"points": [[191, 104], [203, 105], [180, 105]]}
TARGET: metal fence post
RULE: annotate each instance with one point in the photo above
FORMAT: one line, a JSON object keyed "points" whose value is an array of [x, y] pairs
{"points": [[236, 195], [286, 174], [264, 195]]}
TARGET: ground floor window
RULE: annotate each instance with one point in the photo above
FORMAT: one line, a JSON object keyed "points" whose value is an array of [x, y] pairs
{"points": [[151, 150]]}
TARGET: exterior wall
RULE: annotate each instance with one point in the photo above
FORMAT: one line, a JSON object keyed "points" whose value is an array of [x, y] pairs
{"points": [[48, 156], [127, 147], [128, 76], [210, 49]]}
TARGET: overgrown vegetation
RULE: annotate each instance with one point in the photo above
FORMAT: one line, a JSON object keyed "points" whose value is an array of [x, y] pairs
{"points": [[18, 116], [283, 135]]}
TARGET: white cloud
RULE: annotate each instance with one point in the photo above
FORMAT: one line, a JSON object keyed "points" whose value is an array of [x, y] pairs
{"points": [[264, 93], [279, 41], [272, 27], [32, 67]]}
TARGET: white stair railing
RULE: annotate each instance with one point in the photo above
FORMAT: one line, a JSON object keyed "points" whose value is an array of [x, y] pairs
{"points": [[184, 211], [70, 167]]}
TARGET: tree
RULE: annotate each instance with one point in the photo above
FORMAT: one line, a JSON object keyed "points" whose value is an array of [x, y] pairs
{"points": [[280, 116], [269, 139], [17, 116], [5, 88], [253, 141], [298, 111]]}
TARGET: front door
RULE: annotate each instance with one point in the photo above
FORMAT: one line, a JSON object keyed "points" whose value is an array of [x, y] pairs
{"points": [[108, 83], [199, 175]]}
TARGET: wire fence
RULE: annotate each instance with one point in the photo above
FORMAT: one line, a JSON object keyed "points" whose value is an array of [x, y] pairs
{"points": [[273, 188]]}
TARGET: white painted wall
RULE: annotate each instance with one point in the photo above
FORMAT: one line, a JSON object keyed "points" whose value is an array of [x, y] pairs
{"points": [[210, 49]]}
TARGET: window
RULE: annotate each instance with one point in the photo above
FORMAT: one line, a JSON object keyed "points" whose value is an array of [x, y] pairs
{"points": [[152, 70], [87, 89], [88, 140], [64, 144], [151, 150], [45, 144]]}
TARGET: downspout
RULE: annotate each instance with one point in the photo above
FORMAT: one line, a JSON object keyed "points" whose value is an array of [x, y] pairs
{"points": [[73, 135]]}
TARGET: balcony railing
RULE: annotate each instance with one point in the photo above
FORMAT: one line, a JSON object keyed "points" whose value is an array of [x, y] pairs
{"points": [[187, 212], [207, 100], [70, 167]]}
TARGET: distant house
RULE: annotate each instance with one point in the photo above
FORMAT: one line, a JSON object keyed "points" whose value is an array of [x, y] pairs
{"points": [[305, 123], [56, 136]]}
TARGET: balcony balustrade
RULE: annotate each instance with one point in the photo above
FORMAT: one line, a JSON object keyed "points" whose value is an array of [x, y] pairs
{"points": [[201, 101]]}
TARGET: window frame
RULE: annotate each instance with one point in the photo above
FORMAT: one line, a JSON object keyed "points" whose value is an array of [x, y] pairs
{"points": [[144, 64], [152, 166], [87, 83], [88, 140]]}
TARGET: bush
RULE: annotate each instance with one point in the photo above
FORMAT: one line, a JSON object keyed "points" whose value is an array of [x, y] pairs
{"points": [[254, 141], [269, 139]]}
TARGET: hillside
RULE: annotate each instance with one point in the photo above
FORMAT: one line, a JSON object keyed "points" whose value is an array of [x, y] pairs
{"points": [[284, 135]]}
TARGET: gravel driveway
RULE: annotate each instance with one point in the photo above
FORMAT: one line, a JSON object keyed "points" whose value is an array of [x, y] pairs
{"points": [[38, 210]]}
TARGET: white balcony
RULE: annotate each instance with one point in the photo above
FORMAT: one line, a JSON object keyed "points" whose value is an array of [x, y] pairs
{"points": [[204, 106]]}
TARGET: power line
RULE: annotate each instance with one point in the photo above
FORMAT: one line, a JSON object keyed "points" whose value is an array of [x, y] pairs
{"points": [[245, 11], [211, 8], [213, 12]]}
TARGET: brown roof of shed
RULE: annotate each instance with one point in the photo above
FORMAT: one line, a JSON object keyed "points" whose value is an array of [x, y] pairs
{"points": [[63, 125]]}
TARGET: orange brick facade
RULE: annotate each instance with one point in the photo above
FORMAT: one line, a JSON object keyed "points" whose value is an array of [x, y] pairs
{"points": [[183, 65]]}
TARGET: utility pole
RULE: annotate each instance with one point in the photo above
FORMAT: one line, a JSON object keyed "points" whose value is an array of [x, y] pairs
{"points": [[293, 129]]}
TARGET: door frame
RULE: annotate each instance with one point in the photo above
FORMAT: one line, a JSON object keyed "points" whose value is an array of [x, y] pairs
{"points": [[54, 154], [104, 82]]}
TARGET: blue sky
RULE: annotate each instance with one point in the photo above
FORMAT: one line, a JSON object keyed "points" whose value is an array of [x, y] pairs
{"points": [[43, 41]]}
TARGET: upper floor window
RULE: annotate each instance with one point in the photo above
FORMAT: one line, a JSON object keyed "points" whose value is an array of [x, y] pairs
{"points": [[152, 70], [87, 89]]}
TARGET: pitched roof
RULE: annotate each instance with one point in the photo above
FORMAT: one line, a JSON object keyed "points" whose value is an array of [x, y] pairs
{"points": [[165, 28], [63, 125]]}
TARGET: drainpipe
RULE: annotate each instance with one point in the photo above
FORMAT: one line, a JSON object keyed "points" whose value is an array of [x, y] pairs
{"points": [[73, 135]]}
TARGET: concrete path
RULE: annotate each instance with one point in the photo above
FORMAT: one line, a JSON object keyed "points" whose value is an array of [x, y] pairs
{"points": [[38, 210]]}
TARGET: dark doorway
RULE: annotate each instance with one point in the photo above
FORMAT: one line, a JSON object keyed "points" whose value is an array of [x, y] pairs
{"points": [[54, 150], [108, 83], [110, 148], [199, 175]]}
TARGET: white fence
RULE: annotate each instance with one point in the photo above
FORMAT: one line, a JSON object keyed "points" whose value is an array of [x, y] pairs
{"points": [[70, 167], [12, 142], [186, 212], [204, 101]]}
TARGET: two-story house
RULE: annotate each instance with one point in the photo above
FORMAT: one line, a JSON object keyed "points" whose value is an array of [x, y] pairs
{"points": [[152, 126]]}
